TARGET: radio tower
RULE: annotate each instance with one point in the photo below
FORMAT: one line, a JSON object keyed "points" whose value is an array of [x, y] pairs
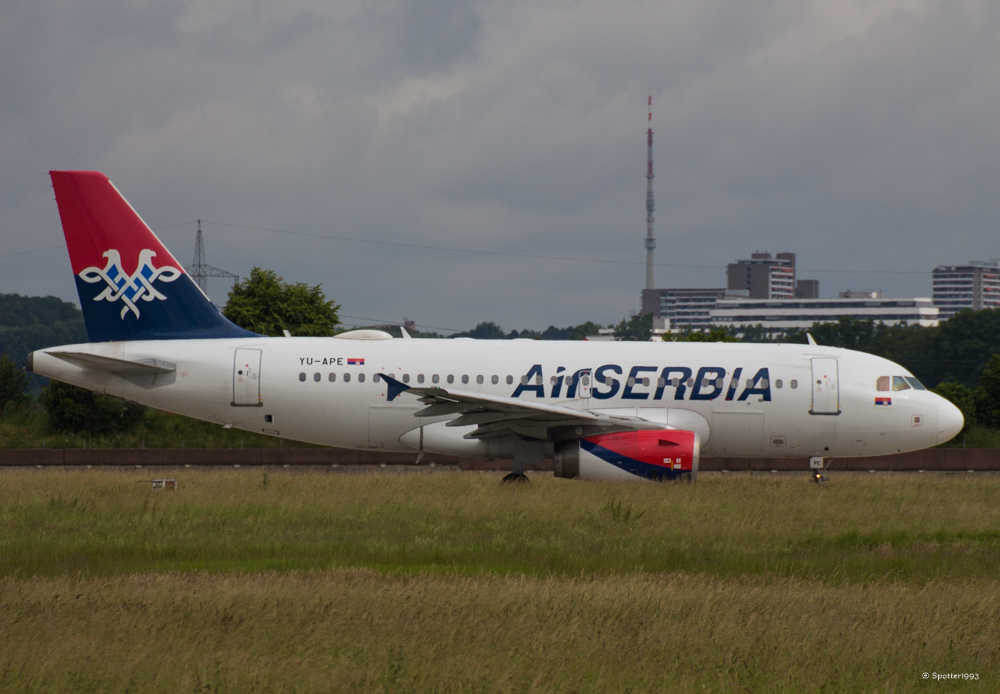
{"points": [[200, 270], [650, 239]]}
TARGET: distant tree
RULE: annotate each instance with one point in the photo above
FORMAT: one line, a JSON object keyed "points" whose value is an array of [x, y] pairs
{"points": [[989, 395], [28, 323], [961, 348], [850, 333], [484, 331], [637, 328], [13, 384], [964, 398], [76, 410], [266, 304], [716, 334], [583, 331]]}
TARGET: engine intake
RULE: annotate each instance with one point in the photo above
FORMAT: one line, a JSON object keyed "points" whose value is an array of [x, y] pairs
{"points": [[662, 454]]}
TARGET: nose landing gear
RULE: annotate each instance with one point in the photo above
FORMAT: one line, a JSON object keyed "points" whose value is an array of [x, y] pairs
{"points": [[817, 468]]}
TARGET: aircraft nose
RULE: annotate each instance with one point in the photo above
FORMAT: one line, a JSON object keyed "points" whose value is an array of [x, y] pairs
{"points": [[950, 421]]}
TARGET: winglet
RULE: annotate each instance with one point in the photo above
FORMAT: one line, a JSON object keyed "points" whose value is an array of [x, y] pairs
{"points": [[406, 335], [811, 340], [395, 387]]}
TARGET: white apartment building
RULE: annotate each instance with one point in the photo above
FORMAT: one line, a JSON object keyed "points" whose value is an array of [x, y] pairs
{"points": [[798, 314], [975, 285]]}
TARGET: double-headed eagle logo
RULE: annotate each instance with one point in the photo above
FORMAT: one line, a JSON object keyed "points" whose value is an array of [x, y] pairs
{"points": [[127, 289]]}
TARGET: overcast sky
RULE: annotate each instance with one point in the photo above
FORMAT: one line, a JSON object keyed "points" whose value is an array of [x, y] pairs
{"points": [[861, 135]]}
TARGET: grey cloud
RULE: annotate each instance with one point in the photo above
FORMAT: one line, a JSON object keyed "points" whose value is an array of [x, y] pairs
{"points": [[860, 135]]}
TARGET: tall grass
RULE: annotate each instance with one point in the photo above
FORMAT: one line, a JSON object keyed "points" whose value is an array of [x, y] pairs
{"points": [[269, 581], [913, 528], [361, 631]]}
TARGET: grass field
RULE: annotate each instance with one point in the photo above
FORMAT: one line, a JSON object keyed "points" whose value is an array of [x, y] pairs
{"points": [[284, 581]]}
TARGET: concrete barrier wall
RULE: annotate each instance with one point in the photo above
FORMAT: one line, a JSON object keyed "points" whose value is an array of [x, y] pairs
{"points": [[940, 459]]}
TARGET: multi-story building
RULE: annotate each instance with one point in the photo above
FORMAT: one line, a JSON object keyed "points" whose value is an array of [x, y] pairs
{"points": [[763, 276], [780, 315], [682, 307], [975, 285]]}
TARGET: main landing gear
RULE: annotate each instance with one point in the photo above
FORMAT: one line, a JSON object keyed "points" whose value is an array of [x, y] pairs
{"points": [[526, 452]]}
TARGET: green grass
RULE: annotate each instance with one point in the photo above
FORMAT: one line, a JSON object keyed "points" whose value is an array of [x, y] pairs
{"points": [[284, 581], [902, 528], [28, 427]]}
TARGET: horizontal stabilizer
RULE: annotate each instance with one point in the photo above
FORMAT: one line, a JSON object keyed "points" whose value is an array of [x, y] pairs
{"points": [[116, 366]]}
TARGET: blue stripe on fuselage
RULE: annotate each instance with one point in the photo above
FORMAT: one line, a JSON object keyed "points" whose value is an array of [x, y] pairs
{"points": [[631, 465]]}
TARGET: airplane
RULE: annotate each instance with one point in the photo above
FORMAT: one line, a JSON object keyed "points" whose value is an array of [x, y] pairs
{"points": [[599, 410]]}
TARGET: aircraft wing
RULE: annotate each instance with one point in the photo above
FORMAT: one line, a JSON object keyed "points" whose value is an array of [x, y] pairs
{"points": [[496, 416]]}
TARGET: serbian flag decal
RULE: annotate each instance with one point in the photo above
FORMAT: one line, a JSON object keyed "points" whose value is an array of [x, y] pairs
{"points": [[355, 362], [883, 403]]}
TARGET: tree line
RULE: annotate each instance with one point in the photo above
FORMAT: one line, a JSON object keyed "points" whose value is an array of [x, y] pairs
{"points": [[960, 358]]}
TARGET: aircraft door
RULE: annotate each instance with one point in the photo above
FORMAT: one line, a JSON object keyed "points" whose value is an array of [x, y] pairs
{"points": [[825, 386], [246, 378], [583, 387]]}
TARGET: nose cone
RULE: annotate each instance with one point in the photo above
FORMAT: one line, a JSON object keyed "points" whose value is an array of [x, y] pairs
{"points": [[950, 421]]}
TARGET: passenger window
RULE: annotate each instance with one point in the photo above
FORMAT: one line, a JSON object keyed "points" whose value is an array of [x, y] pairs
{"points": [[631, 382], [719, 383], [899, 383], [406, 378], [361, 378], [451, 379], [347, 378], [302, 376], [495, 380], [420, 378], [317, 377], [882, 383], [376, 378], [435, 378], [917, 385], [538, 380], [793, 384], [333, 377], [465, 379], [510, 380], [777, 383], [524, 380], [645, 381], [479, 380], [660, 383], [586, 380]]}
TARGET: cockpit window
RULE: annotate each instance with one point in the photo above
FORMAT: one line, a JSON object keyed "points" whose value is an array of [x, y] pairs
{"points": [[915, 383], [882, 383], [899, 383]]}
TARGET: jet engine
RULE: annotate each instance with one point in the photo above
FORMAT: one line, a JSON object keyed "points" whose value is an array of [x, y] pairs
{"points": [[661, 454]]}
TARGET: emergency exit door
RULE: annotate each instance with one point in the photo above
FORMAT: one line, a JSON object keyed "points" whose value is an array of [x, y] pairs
{"points": [[246, 378], [825, 386]]}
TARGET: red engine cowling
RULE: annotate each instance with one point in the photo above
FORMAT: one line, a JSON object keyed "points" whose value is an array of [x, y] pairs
{"points": [[663, 454]]}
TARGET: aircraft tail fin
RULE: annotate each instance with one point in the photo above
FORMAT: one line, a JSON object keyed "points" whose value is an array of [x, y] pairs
{"points": [[130, 286]]}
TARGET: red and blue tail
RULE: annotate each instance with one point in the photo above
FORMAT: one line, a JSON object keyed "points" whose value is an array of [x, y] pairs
{"points": [[130, 286]]}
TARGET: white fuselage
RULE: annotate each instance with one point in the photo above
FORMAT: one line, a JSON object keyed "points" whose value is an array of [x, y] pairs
{"points": [[751, 400]]}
